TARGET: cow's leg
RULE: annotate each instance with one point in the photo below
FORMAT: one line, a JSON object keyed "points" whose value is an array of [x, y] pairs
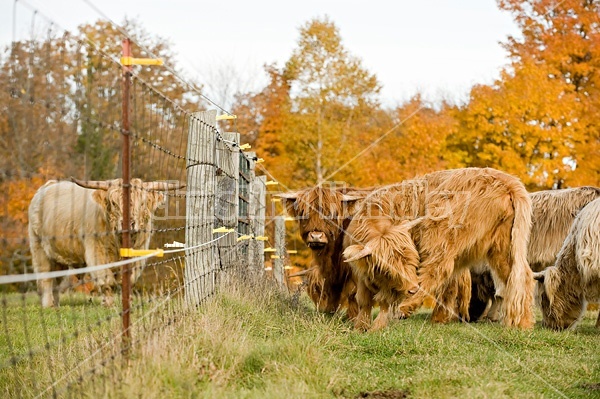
{"points": [[515, 297], [41, 264], [433, 274], [598, 321], [493, 313], [350, 294], [454, 301], [103, 280], [364, 299], [381, 321], [463, 298], [445, 305]]}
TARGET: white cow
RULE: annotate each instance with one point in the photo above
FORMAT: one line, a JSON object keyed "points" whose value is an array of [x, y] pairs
{"points": [[72, 224]]}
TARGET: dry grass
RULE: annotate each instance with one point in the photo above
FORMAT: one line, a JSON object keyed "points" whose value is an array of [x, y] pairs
{"points": [[254, 342]]}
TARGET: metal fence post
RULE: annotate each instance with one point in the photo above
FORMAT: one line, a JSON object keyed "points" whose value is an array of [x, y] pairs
{"points": [[199, 274], [126, 225]]}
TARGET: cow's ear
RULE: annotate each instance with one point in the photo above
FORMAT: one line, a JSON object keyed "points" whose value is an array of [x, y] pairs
{"points": [[356, 252]]}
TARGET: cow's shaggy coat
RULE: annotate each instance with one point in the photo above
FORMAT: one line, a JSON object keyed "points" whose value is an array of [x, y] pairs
{"points": [[574, 280], [473, 215], [323, 214], [76, 224], [553, 212]]}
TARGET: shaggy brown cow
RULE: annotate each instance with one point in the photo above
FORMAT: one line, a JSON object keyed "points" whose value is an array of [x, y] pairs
{"points": [[323, 213], [325, 257], [473, 215], [72, 224], [566, 287], [553, 212]]}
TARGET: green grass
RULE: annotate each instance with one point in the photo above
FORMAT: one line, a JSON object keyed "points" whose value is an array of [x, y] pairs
{"points": [[244, 346], [247, 345]]}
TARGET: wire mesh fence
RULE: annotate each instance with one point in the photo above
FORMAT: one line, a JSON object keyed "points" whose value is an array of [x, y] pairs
{"points": [[196, 211]]}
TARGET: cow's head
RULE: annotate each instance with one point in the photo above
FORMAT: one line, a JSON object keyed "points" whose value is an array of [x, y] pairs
{"points": [[384, 253], [320, 212], [561, 308], [145, 198]]}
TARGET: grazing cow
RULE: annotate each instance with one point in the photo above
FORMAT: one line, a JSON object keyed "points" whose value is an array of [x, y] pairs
{"points": [[473, 215], [323, 215], [553, 212], [574, 280], [77, 223]]}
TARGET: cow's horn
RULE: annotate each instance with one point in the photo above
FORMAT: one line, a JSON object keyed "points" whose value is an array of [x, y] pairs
{"points": [[352, 197], [288, 196], [93, 184], [355, 252], [301, 272], [161, 186], [539, 276]]}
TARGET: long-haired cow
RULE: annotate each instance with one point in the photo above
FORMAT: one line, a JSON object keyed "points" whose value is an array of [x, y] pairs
{"points": [[473, 215], [323, 214], [553, 212], [574, 280], [77, 223]]}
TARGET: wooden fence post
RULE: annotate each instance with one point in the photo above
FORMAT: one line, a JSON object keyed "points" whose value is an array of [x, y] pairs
{"points": [[227, 202], [199, 274], [256, 257], [278, 261]]}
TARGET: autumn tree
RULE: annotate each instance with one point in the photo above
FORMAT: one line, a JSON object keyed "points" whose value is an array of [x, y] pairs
{"points": [[331, 99], [540, 119], [527, 124], [264, 114], [410, 140]]}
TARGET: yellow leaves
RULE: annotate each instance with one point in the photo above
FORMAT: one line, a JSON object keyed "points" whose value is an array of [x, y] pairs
{"points": [[18, 195]]}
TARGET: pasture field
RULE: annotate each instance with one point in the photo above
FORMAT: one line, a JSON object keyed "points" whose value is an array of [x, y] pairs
{"points": [[241, 344]]}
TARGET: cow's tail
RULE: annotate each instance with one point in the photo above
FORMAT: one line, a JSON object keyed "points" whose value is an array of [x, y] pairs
{"points": [[517, 307]]}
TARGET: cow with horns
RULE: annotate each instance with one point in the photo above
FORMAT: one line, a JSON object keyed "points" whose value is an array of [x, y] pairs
{"points": [[77, 223], [574, 280], [473, 215], [323, 214]]}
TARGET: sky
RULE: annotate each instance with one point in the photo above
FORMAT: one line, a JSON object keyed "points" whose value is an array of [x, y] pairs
{"points": [[439, 48]]}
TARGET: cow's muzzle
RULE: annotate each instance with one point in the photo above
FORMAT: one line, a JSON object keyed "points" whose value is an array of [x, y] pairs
{"points": [[316, 240]]}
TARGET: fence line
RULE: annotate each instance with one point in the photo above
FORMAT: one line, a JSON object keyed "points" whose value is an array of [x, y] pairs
{"points": [[55, 352]]}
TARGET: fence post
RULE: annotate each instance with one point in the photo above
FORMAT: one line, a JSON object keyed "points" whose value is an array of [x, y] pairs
{"points": [[199, 274], [227, 199], [256, 259], [126, 224], [251, 156], [278, 264]]}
